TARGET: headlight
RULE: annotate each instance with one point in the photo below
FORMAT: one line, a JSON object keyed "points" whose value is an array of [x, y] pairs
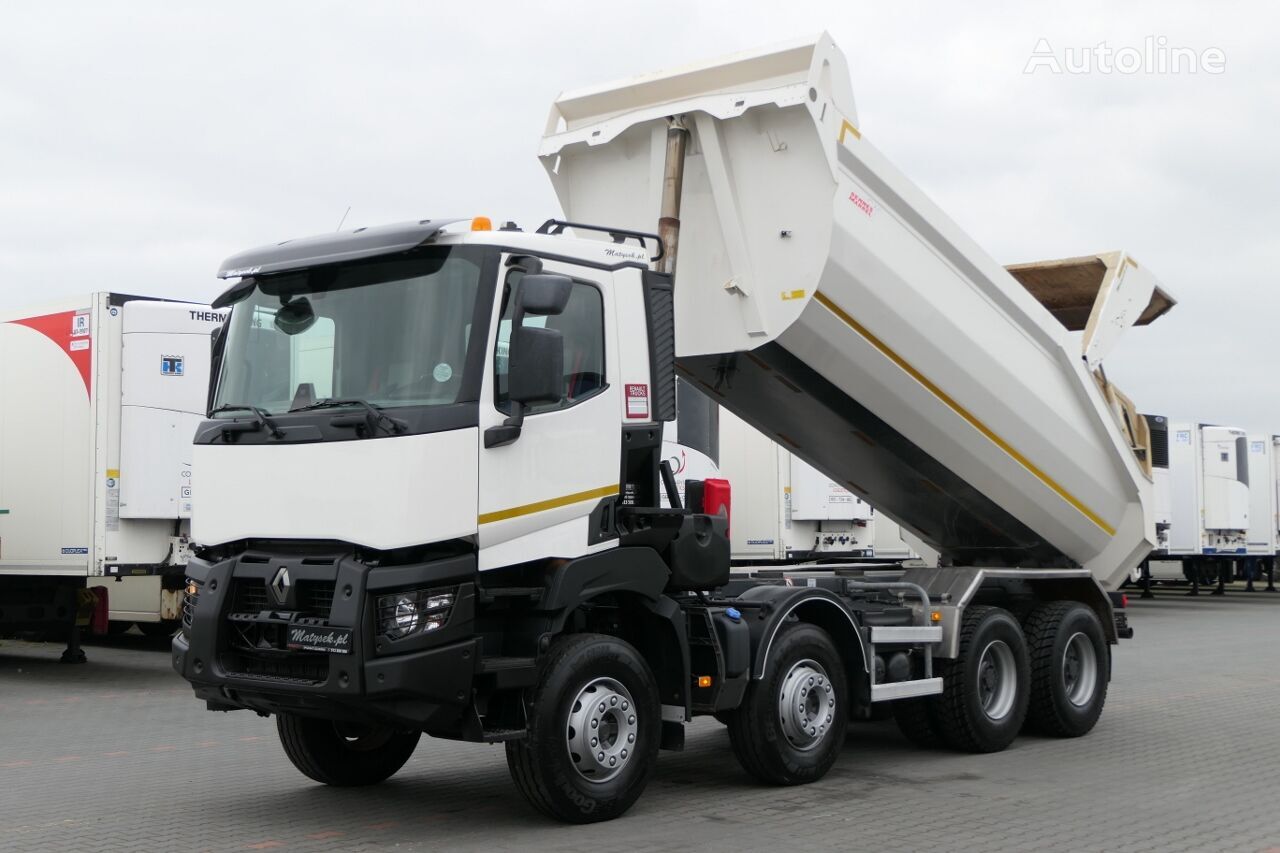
{"points": [[415, 611]]}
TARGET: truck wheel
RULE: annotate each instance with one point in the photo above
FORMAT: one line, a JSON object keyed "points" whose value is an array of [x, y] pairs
{"points": [[344, 754], [791, 725], [985, 689], [1068, 669], [915, 720], [595, 723]]}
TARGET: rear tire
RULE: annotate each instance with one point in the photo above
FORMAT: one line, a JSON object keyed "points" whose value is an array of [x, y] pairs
{"points": [[791, 725], [915, 720], [343, 754], [986, 688], [1069, 662], [595, 723]]}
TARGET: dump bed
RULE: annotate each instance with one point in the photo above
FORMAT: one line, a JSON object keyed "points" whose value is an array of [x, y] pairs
{"points": [[824, 299]]}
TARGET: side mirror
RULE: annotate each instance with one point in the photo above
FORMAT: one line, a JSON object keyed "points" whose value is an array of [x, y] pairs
{"points": [[535, 375], [537, 365], [544, 294]]}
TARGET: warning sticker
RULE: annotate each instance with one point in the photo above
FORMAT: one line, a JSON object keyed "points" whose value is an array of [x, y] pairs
{"points": [[76, 346], [112, 509], [638, 402]]}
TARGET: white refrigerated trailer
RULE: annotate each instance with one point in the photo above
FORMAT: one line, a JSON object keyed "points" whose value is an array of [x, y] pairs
{"points": [[784, 509], [473, 544], [1209, 502], [100, 396]]}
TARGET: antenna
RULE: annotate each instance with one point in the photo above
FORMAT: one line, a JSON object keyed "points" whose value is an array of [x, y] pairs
{"points": [[343, 219]]}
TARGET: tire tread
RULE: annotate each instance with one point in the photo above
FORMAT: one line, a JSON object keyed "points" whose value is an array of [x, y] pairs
{"points": [[1041, 628], [951, 714]]}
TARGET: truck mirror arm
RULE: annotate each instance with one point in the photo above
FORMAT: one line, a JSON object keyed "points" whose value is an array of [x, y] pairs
{"points": [[507, 431]]}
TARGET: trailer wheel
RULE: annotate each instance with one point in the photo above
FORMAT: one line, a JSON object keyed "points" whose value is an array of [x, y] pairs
{"points": [[985, 689], [595, 723], [1068, 669], [344, 754], [915, 719], [791, 725]]}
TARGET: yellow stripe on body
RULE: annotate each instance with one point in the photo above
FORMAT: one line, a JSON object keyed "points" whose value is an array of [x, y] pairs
{"points": [[964, 413], [550, 503]]}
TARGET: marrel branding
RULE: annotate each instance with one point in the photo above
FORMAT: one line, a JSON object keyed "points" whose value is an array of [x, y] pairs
{"points": [[862, 204], [208, 316]]}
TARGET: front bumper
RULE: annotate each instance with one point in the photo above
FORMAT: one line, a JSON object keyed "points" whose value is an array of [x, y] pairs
{"points": [[232, 651]]}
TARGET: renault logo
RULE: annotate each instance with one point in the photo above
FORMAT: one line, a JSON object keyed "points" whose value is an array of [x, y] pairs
{"points": [[280, 585]]}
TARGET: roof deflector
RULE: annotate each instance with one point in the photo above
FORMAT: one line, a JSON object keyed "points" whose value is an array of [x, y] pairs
{"points": [[333, 248]]}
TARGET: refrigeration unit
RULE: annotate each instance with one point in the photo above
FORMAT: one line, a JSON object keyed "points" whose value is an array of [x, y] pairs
{"points": [[1209, 498], [784, 508], [100, 397]]}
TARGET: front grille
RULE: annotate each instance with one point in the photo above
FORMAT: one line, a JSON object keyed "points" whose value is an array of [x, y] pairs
{"points": [[314, 598], [251, 596], [297, 667]]}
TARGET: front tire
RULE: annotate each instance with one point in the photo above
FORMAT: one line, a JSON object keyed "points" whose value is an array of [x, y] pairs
{"points": [[344, 755], [985, 689], [595, 723], [791, 725], [1068, 669]]}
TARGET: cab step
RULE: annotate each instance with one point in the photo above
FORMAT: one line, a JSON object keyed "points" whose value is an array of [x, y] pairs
{"points": [[510, 671], [492, 594]]}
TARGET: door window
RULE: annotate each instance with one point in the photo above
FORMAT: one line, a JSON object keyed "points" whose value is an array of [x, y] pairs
{"points": [[582, 328]]}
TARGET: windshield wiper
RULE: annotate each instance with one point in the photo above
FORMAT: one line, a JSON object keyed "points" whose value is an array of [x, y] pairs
{"points": [[263, 419], [377, 416]]}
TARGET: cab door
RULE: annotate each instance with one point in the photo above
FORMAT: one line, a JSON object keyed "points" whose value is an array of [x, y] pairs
{"points": [[548, 493]]}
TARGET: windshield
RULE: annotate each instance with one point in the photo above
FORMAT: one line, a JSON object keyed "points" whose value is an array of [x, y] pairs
{"points": [[394, 333]]}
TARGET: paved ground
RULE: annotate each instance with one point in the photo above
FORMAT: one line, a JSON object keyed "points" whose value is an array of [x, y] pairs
{"points": [[116, 755]]}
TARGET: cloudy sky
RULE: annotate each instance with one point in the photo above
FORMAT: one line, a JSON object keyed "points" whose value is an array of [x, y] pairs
{"points": [[141, 143]]}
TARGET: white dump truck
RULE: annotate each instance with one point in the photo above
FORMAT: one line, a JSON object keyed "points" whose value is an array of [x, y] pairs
{"points": [[429, 485], [100, 397]]}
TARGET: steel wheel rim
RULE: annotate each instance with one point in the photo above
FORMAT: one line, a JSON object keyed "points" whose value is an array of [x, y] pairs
{"points": [[602, 729], [806, 704], [997, 680], [1079, 670]]}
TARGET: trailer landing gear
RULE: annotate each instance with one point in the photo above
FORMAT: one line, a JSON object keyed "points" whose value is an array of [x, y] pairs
{"points": [[73, 653]]}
